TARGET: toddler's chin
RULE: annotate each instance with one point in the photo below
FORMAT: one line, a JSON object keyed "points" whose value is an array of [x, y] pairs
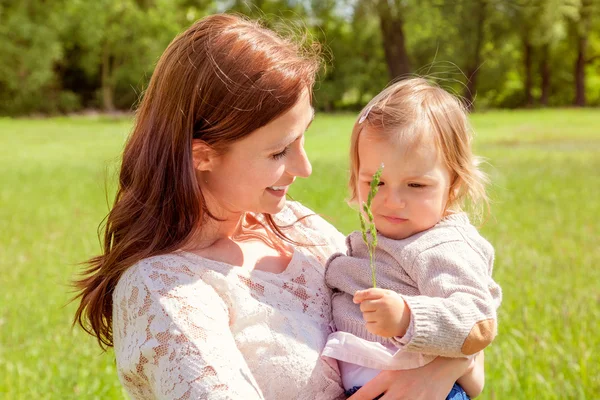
{"points": [[394, 234], [397, 236]]}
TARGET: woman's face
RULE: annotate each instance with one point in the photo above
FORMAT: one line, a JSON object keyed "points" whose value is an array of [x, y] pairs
{"points": [[255, 173]]}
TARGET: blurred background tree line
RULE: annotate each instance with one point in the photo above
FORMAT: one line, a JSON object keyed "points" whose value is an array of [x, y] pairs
{"points": [[68, 55]]}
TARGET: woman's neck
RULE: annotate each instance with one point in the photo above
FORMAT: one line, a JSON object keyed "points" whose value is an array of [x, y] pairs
{"points": [[230, 231], [213, 230], [245, 242]]}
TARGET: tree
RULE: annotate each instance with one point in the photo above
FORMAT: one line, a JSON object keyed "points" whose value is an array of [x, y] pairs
{"points": [[476, 13], [120, 41], [29, 45], [391, 20], [581, 25], [540, 25], [551, 30], [356, 68]]}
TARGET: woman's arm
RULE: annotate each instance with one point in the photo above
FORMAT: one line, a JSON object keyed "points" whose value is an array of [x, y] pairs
{"points": [[430, 382], [172, 340], [474, 379]]}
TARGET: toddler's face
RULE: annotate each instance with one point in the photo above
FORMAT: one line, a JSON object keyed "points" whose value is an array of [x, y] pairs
{"points": [[414, 185]]}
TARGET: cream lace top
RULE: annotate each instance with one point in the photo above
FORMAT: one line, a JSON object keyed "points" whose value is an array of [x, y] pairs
{"points": [[186, 327]]}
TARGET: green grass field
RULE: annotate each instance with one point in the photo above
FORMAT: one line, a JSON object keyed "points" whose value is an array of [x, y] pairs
{"points": [[545, 168]]}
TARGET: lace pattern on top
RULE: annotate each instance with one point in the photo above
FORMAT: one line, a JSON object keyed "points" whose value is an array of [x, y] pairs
{"points": [[186, 327]]}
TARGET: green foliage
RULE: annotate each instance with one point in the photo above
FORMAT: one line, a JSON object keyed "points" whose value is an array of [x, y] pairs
{"points": [[369, 227], [29, 48], [119, 43], [65, 55], [356, 69]]}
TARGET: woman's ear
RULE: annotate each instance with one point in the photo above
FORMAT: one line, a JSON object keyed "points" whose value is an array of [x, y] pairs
{"points": [[204, 155]]}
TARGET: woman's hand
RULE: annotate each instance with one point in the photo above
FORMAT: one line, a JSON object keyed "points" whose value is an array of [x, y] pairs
{"points": [[430, 382], [473, 380]]}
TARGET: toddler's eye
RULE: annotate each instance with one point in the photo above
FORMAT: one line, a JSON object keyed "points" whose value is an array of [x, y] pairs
{"points": [[416, 185], [380, 183]]}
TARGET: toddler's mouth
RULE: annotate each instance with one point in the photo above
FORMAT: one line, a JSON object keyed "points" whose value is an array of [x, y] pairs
{"points": [[395, 220]]}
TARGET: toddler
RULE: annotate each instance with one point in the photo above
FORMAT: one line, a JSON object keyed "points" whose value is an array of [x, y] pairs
{"points": [[435, 294]]}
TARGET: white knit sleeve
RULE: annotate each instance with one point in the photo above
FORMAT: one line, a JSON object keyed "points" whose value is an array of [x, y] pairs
{"points": [[172, 340], [455, 315]]}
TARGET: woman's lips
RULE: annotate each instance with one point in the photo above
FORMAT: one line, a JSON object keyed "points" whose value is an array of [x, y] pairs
{"points": [[278, 193]]}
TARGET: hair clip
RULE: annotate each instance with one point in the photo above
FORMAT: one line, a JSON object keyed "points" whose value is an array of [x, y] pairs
{"points": [[365, 115]]}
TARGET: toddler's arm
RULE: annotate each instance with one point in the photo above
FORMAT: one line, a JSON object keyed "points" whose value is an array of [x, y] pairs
{"points": [[455, 315]]}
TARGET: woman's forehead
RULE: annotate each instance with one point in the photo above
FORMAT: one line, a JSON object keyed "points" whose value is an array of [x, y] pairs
{"points": [[284, 129]]}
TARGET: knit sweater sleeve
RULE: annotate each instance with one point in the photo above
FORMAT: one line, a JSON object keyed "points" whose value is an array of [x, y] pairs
{"points": [[173, 341], [455, 313]]}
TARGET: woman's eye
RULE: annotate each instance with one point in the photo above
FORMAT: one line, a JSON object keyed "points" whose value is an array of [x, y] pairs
{"points": [[281, 154], [416, 185]]}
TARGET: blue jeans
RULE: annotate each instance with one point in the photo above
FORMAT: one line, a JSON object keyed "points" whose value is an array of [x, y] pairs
{"points": [[456, 393]]}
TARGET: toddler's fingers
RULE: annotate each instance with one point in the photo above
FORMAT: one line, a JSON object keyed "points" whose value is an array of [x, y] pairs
{"points": [[368, 294], [368, 306]]}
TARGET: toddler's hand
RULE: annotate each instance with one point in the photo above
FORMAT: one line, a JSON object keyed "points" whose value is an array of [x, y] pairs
{"points": [[384, 311]]}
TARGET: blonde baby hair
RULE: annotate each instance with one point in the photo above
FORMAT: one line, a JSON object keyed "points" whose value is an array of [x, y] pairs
{"points": [[414, 109]]}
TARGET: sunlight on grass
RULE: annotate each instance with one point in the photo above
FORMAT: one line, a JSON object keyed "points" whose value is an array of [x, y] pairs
{"points": [[544, 168]]}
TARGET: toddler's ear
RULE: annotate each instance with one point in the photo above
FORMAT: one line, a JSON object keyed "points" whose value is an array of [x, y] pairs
{"points": [[204, 155], [455, 188], [456, 191]]}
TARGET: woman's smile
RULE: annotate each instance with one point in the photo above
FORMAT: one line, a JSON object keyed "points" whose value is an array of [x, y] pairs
{"points": [[278, 191]]}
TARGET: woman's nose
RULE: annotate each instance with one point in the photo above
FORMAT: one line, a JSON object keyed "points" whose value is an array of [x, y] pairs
{"points": [[299, 165]]}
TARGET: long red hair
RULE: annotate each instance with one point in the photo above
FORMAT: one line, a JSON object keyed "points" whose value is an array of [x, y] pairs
{"points": [[218, 81]]}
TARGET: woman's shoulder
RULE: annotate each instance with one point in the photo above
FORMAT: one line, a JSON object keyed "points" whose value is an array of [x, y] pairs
{"points": [[295, 212], [165, 274], [172, 264], [306, 226], [311, 232], [292, 211]]}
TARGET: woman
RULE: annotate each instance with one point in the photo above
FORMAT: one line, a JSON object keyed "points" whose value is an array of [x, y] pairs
{"points": [[210, 285]]}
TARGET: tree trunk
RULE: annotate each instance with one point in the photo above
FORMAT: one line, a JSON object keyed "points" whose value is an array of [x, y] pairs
{"points": [[475, 61], [394, 46], [527, 60], [107, 84], [580, 72], [545, 74]]}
